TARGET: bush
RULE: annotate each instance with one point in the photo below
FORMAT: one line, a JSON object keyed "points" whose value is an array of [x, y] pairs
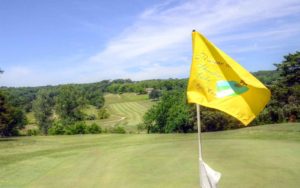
{"points": [[32, 132], [141, 127], [94, 129], [117, 129], [90, 117], [57, 128], [292, 112], [213, 120], [154, 94], [103, 113], [76, 128]]}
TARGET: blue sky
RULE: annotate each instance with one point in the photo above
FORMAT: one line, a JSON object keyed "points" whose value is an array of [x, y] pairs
{"points": [[53, 42]]}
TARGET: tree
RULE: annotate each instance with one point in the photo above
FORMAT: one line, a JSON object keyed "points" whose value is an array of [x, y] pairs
{"points": [[21, 97], [289, 69], [170, 114], [285, 103], [267, 77], [154, 94], [140, 90], [11, 118], [68, 104], [180, 118], [215, 120], [113, 88], [43, 110], [95, 97]]}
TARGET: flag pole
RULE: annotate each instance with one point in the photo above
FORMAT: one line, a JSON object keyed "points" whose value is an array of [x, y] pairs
{"points": [[199, 140]]}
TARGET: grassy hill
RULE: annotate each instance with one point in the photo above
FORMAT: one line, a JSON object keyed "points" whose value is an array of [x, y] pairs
{"points": [[126, 110], [256, 157]]}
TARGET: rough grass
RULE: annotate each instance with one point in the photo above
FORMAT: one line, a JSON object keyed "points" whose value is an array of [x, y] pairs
{"points": [[255, 157]]}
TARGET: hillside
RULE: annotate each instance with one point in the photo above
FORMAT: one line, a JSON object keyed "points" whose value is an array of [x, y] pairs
{"points": [[126, 110], [268, 76], [261, 157]]}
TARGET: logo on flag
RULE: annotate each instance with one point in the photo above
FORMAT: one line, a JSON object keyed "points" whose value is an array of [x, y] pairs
{"points": [[229, 88]]}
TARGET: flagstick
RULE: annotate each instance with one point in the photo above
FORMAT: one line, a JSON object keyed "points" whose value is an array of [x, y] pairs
{"points": [[199, 138]]}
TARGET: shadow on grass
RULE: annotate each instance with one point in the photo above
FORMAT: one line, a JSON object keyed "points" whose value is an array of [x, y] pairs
{"points": [[7, 139]]}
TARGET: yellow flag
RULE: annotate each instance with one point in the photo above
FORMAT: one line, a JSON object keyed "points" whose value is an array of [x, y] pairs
{"points": [[217, 81]]}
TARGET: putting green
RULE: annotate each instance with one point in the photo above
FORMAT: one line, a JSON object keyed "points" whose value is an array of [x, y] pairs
{"points": [[267, 156]]}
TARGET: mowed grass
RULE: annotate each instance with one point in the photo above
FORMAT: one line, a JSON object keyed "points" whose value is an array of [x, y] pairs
{"points": [[125, 97], [126, 110], [256, 157]]}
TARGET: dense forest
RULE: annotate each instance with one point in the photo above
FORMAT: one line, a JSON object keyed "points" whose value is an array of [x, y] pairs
{"points": [[57, 109]]}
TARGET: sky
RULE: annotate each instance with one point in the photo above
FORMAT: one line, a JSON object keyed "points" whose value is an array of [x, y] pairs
{"points": [[53, 42]]}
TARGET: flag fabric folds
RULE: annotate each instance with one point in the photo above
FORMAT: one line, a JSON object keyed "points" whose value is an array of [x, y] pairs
{"points": [[209, 177], [217, 81]]}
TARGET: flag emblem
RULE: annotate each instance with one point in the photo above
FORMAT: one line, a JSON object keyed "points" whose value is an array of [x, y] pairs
{"points": [[229, 88]]}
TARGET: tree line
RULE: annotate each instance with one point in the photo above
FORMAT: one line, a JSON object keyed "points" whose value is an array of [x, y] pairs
{"points": [[173, 114], [58, 109]]}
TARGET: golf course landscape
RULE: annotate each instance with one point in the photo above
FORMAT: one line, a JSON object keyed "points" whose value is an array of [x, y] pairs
{"points": [[150, 94], [264, 156], [126, 110]]}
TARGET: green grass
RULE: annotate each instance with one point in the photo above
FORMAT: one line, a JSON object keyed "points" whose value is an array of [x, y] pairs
{"points": [[255, 157], [90, 110], [125, 110], [125, 97]]}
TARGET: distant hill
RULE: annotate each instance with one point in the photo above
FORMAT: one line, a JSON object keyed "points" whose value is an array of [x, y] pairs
{"points": [[267, 76]]}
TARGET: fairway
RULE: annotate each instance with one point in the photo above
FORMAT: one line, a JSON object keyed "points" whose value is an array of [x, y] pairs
{"points": [[255, 157], [126, 110]]}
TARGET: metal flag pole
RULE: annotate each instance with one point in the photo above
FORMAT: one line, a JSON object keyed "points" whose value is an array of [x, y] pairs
{"points": [[199, 140]]}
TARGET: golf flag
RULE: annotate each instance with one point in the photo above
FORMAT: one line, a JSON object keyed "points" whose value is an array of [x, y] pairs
{"points": [[209, 177], [217, 81]]}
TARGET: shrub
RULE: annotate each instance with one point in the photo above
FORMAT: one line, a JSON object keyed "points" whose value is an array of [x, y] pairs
{"points": [[141, 127], [213, 120], [154, 94], [103, 113], [292, 112], [57, 128], [94, 129], [76, 128], [118, 129], [32, 132], [90, 117]]}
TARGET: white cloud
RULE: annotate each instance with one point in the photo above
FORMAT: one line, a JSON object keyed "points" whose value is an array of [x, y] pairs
{"points": [[158, 43], [162, 34], [16, 73]]}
